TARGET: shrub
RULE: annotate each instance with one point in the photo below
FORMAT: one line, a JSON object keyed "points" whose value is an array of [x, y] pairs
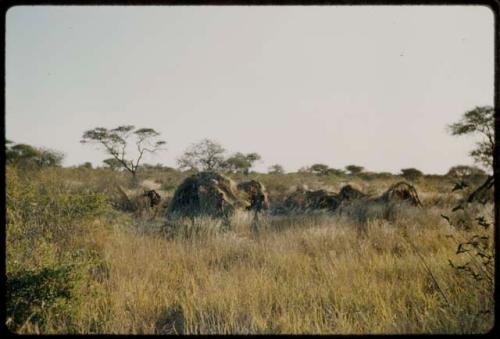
{"points": [[31, 157], [51, 235], [31, 294], [39, 205], [276, 169]]}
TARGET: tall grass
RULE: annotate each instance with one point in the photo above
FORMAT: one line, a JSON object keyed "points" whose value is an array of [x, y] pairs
{"points": [[306, 273], [324, 278]]}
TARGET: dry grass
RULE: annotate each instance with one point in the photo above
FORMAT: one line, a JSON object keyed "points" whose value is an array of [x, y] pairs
{"points": [[326, 277], [309, 273]]}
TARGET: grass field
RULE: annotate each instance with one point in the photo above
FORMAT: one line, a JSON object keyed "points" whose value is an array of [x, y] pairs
{"points": [[76, 264]]}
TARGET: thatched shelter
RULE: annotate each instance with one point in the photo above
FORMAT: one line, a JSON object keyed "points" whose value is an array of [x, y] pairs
{"points": [[256, 195], [304, 199], [390, 205], [401, 192], [349, 193], [205, 193], [153, 197], [321, 199], [296, 199]]}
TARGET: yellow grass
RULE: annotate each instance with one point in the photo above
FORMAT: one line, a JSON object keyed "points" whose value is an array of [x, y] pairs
{"points": [[312, 273], [327, 277]]}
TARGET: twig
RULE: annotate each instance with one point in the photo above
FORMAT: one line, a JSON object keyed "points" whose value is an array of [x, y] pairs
{"points": [[477, 264], [428, 269]]}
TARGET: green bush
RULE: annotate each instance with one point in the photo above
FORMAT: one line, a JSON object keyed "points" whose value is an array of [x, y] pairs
{"points": [[50, 247], [31, 294], [40, 206]]}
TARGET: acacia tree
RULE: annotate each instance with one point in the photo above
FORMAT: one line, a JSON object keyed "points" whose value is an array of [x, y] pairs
{"points": [[19, 153], [411, 174], [354, 170], [48, 157], [319, 169], [335, 171], [27, 155], [115, 142], [276, 169], [464, 171], [112, 163], [479, 120], [206, 155], [241, 163], [86, 164]]}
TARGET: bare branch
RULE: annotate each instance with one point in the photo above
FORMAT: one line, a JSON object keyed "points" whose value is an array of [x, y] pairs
{"points": [[115, 142]]}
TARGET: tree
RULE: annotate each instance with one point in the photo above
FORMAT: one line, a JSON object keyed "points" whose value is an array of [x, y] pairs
{"points": [[354, 170], [86, 164], [276, 169], [411, 174], [8, 150], [19, 153], [112, 163], [206, 155], [241, 163], [116, 141], [253, 157], [334, 171], [463, 171], [27, 155], [319, 169], [479, 120], [47, 157], [156, 167]]}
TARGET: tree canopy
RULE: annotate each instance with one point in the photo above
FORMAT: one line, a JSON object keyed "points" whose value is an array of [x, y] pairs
{"points": [[241, 163], [319, 169], [354, 170], [206, 155], [478, 121], [411, 174], [112, 163], [464, 171], [276, 169], [27, 155], [115, 142]]}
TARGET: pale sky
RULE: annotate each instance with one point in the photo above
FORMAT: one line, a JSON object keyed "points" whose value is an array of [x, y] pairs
{"points": [[368, 85]]}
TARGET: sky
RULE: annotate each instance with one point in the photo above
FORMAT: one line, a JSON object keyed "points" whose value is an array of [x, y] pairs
{"points": [[373, 86]]}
